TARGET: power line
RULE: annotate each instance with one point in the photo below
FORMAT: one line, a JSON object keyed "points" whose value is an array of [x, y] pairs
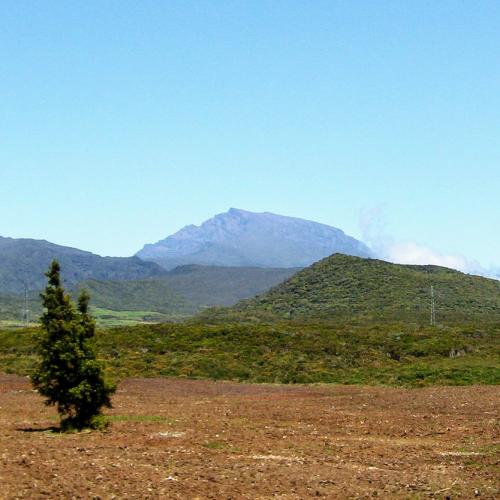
{"points": [[26, 312], [433, 307]]}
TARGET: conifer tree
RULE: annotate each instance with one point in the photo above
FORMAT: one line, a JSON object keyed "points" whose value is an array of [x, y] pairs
{"points": [[69, 375]]}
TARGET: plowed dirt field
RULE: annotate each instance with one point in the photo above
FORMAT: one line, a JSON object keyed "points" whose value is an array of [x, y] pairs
{"points": [[175, 438]]}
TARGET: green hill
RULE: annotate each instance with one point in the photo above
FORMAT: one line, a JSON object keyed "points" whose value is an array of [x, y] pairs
{"points": [[342, 287]]}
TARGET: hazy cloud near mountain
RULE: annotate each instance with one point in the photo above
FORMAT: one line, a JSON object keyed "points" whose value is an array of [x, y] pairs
{"points": [[386, 247], [411, 252]]}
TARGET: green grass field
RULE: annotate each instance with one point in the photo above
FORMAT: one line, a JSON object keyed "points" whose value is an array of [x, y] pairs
{"points": [[107, 318], [110, 318]]}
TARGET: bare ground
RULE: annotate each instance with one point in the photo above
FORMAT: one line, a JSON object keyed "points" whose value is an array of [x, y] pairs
{"points": [[174, 438]]}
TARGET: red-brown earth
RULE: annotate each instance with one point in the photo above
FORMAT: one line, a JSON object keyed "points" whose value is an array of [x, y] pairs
{"points": [[176, 438]]}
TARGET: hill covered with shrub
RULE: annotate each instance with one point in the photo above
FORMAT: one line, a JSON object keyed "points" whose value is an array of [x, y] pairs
{"points": [[343, 287]]}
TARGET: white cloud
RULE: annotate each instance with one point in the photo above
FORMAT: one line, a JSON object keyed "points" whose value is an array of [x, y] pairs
{"points": [[411, 252], [386, 247]]}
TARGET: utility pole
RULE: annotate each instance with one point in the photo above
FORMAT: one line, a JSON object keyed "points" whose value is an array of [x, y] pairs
{"points": [[26, 310], [433, 307]]}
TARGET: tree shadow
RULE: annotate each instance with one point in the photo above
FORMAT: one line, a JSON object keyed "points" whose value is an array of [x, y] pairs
{"points": [[51, 428]]}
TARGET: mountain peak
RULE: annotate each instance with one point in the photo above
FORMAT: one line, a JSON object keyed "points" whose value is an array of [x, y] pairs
{"points": [[233, 210], [242, 238]]}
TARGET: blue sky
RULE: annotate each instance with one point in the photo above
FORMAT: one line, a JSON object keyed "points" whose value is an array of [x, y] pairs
{"points": [[120, 121]]}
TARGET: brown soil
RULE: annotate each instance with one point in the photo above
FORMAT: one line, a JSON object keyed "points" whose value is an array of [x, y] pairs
{"points": [[172, 438]]}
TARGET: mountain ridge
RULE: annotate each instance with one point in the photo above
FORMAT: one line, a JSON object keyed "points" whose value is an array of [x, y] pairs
{"points": [[243, 238], [179, 293], [26, 260]]}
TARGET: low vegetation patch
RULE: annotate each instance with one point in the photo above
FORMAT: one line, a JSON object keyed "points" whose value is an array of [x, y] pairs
{"points": [[141, 418], [389, 354]]}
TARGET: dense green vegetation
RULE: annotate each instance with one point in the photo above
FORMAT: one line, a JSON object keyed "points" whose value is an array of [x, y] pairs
{"points": [[343, 320], [349, 289], [368, 291], [394, 354]]}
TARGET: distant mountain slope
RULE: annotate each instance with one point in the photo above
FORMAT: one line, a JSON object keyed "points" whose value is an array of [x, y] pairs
{"points": [[178, 293], [186, 289], [242, 238], [139, 295], [346, 287], [224, 286], [27, 259], [13, 307]]}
